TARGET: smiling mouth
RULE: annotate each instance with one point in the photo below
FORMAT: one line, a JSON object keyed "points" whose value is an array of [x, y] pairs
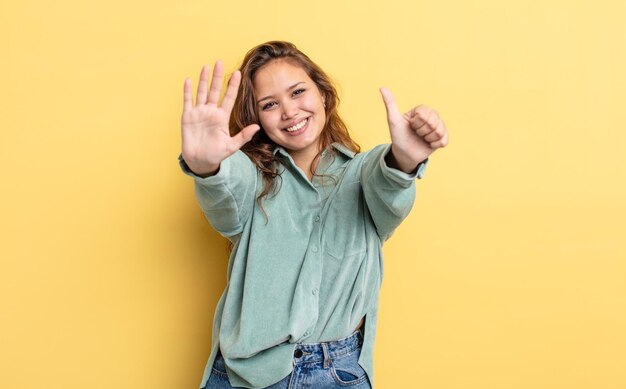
{"points": [[298, 126]]}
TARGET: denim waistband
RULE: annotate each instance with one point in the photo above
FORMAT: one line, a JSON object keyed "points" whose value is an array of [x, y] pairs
{"points": [[325, 351]]}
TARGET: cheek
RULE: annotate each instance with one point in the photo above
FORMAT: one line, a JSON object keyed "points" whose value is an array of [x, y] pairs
{"points": [[266, 121], [315, 105], [322, 114]]}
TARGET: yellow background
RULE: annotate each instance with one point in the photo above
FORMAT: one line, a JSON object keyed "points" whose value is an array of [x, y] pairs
{"points": [[509, 273]]}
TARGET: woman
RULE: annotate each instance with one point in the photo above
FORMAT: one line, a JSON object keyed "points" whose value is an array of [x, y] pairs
{"points": [[277, 173]]}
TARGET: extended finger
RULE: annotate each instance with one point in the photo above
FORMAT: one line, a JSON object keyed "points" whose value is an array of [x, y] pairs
{"points": [[187, 103], [245, 135], [204, 78], [216, 83], [231, 92], [393, 115]]}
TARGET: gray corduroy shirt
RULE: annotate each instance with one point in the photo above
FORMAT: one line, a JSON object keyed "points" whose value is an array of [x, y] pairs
{"points": [[310, 270]]}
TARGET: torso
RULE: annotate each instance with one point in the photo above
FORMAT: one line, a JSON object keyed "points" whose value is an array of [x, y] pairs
{"points": [[360, 323]]}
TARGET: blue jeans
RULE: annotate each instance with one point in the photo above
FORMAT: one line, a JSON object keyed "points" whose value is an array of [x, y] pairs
{"points": [[316, 366]]}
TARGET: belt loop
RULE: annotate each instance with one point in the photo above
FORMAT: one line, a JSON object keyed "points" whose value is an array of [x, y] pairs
{"points": [[327, 360]]}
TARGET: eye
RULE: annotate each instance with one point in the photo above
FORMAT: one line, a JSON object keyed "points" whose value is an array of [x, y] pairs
{"points": [[268, 105], [298, 91]]}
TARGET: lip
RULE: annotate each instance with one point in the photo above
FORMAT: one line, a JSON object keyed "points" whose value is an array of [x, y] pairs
{"points": [[300, 131]]}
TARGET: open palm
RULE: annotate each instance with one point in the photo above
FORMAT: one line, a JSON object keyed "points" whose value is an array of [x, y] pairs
{"points": [[206, 139]]}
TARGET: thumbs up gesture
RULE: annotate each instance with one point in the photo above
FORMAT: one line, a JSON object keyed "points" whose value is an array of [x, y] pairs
{"points": [[206, 139], [415, 135]]}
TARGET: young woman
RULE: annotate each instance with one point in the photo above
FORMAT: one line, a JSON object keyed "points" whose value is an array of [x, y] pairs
{"points": [[277, 173]]}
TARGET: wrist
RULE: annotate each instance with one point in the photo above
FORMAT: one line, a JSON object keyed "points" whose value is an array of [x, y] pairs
{"points": [[202, 170], [400, 161]]}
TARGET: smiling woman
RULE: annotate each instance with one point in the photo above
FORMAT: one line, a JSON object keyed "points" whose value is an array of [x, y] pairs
{"points": [[293, 117], [247, 110], [301, 301]]}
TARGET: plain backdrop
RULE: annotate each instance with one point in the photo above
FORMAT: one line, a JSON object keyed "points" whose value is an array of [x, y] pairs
{"points": [[509, 273]]}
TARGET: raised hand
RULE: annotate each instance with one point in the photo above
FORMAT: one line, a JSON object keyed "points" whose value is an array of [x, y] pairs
{"points": [[415, 135], [206, 139]]}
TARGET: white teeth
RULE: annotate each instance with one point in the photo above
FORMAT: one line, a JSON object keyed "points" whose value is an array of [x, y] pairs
{"points": [[297, 126]]}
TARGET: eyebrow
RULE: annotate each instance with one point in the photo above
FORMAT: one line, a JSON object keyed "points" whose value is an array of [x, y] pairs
{"points": [[290, 88]]}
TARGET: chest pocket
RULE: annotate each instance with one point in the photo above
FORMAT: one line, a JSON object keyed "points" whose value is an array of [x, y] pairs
{"points": [[344, 229]]}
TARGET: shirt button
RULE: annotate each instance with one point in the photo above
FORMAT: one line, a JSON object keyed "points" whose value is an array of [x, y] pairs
{"points": [[297, 353], [314, 249], [314, 291], [317, 218]]}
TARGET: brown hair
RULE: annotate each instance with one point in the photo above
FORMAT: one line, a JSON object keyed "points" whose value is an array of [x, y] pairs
{"points": [[261, 148]]}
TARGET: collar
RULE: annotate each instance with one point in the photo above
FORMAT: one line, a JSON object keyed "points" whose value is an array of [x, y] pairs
{"points": [[337, 146]]}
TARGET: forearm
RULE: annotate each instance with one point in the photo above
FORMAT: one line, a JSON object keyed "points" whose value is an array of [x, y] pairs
{"points": [[388, 191], [226, 197]]}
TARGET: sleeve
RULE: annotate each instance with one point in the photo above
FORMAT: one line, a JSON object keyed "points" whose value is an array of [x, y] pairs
{"points": [[226, 198], [389, 193]]}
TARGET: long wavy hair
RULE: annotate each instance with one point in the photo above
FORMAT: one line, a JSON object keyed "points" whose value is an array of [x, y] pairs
{"points": [[261, 148]]}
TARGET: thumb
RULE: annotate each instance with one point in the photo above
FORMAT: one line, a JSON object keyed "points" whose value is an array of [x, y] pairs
{"points": [[393, 114], [245, 135]]}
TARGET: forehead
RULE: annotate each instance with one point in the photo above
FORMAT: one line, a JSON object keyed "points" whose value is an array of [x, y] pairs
{"points": [[279, 75]]}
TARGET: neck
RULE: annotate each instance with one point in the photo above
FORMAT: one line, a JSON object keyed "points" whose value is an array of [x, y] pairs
{"points": [[305, 161]]}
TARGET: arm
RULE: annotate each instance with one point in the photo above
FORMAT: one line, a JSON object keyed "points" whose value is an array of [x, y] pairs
{"points": [[227, 197], [389, 171], [225, 178], [389, 192]]}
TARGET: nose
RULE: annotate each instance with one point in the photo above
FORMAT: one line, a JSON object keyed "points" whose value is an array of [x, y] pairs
{"points": [[290, 110]]}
